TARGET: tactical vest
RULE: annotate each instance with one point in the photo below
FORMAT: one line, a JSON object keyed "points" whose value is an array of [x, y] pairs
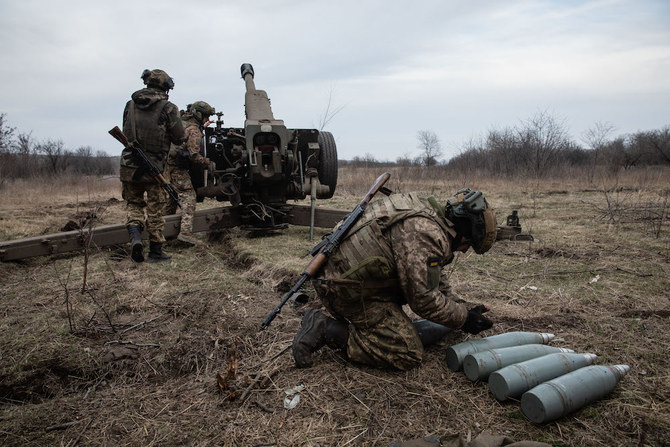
{"points": [[148, 131], [365, 256]]}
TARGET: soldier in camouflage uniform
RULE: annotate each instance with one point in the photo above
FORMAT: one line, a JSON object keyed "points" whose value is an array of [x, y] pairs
{"points": [[181, 158], [394, 256], [152, 122]]}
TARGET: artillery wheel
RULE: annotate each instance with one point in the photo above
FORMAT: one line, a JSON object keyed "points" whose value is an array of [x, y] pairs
{"points": [[327, 163]]}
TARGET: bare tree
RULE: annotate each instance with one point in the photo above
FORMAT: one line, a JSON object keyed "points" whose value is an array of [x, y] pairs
{"points": [[83, 160], [658, 143], [430, 147], [404, 160], [24, 150], [542, 137], [330, 111], [365, 161], [56, 154], [597, 138], [622, 152], [103, 162], [6, 134], [503, 152]]}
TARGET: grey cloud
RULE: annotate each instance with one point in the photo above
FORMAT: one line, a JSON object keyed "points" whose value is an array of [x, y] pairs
{"points": [[458, 68]]}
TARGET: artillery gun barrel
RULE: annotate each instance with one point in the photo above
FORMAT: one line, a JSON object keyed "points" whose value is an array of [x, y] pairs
{"points": [[248, 75], [256, 102]]}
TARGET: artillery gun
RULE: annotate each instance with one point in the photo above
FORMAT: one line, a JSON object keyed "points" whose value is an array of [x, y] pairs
{"points": [[258, 170], [265, 164]]}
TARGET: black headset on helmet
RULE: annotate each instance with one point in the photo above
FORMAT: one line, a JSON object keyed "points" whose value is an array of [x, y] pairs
{"points": [[473, 217], [158, 78]]}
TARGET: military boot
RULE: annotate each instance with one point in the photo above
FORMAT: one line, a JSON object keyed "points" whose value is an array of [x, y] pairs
{"points": [[316, 331], [187, 239], [429, 332], [136, 246], [156, 253]]}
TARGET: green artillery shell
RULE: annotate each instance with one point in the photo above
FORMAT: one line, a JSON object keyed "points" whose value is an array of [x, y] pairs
{"points": [[456, 353], [514, 380], [562, 395], [478, 365]]}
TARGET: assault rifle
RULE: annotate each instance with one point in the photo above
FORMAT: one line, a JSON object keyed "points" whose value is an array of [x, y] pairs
{"points": [[323, 250], [153, 170]]}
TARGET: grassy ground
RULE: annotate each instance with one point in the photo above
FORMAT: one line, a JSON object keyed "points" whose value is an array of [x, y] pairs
{"points": [[116, 353]]}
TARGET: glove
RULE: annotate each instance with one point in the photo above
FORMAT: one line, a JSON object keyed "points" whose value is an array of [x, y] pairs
{"points": [[476, 322]]}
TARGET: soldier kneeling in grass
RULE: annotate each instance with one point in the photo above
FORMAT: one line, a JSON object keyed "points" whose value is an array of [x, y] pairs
{"points": [[393, 256]]}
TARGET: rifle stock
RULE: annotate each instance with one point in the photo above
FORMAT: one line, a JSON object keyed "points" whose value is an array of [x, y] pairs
{"points": [[153, 170], [322, 251]]}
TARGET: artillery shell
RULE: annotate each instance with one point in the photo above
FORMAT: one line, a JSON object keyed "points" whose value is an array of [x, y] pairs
{"points": [[514, 380], [456, 353], [567, 393], [478, 365]]}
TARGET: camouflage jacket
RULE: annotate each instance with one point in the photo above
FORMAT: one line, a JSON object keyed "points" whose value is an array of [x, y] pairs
{"points": [[193, 145], [399, 247], [154, 122]]}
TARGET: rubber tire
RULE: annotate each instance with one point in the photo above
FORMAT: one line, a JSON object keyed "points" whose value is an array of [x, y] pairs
{"points": [[327, 163]]}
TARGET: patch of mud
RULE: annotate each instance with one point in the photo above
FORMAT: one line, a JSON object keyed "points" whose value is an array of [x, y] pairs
{"points": [[36, 383]]}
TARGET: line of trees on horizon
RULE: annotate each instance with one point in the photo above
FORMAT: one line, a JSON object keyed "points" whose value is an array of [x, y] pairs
{"points": [[539, 146], [21, 156]]}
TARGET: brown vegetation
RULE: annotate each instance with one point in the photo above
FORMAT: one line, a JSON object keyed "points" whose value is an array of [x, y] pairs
{"points": [[170, 354], [21, 157]]}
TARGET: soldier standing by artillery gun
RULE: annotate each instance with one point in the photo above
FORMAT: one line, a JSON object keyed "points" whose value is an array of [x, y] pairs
{"points": [[150, 122], [181, 159]]}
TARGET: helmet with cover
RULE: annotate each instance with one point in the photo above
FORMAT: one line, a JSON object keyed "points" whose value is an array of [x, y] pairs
{"points": [[201, 110], [157, 79], [473, 218]]}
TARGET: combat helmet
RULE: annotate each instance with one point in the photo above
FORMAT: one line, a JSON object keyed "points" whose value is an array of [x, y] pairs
{"points": [[473, 217], [158, 79], [200, 110]]}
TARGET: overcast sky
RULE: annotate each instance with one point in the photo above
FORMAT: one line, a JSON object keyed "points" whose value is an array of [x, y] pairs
{"points": [[392, 67]]}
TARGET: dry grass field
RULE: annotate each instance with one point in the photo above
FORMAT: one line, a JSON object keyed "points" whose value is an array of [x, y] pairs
{"points": [[108, 352]]}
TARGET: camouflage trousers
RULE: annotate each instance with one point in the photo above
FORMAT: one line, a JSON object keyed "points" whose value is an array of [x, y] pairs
{"points": [[180, 180], [380, 333], [136, 206]]}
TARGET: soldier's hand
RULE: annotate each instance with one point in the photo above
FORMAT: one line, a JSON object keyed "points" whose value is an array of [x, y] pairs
{"points": [[476, 322], [211, 166]]}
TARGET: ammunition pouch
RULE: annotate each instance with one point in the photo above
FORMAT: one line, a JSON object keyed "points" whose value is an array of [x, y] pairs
{"points": [[374, 276], [129, 159]]}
